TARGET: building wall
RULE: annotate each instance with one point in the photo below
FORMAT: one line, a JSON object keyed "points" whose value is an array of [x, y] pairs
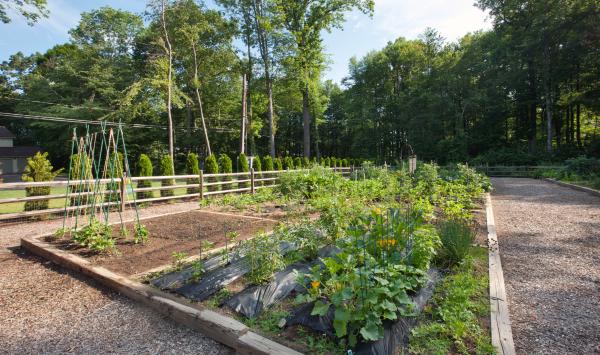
{"points": [[6, 142], [6, 166]]}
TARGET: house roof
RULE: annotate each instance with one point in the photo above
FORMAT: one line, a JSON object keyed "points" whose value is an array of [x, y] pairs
{"points": [[5, 133], [18, 152]]}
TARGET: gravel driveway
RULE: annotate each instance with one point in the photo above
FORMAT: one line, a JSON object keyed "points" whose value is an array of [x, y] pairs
{"points": [[47, 309], [550, 246]]}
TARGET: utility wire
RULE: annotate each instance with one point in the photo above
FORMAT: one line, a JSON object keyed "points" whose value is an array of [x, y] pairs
{"points": [[95, 122]]}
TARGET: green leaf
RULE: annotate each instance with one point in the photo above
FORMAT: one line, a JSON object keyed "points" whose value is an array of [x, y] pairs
{"points": [[371, 331], [320, 308]]}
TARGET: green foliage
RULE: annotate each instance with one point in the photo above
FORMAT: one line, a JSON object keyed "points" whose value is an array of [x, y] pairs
{"points": [[452, 326], [242, 163], [268, 163], [144, 167], [96, 236], [226, 167], [192, 168], [38, 169], [278, 164], [264, 257], [257, 166], [298, 163], [178, 260], [211, 167], [457, 238], [166, 169], [140, 234], [288, 163]]}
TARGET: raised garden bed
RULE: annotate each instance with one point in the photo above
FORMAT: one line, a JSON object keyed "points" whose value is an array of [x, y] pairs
{"points": [[174, 233]]}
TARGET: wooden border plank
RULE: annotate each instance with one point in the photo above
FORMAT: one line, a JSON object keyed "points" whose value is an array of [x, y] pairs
{"points": [[574, 186], [223, 329], [502, 337]]}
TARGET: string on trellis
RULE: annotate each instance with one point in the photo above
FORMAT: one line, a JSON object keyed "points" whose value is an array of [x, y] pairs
{"points": [[98, 179]]}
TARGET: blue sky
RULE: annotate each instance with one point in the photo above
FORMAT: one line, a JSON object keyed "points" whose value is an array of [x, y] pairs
{"points": [[361, 34]]}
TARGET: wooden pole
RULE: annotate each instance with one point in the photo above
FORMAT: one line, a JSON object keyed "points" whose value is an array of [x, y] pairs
{"points": [[201, 183], [252, 180], [123, 192]]}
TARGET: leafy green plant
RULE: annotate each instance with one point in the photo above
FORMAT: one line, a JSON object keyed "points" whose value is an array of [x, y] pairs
{"points": [[298, 163], [452, 326], [61, 232], [197, 270], [140, 234], [178, 260], [96, 236], [144, 167], [242, 162], [211, 166], [166, 169], [226, 167], [38, 169], [288, 163], [192, 168], [277, 164], [264, 257], [257, 166]]}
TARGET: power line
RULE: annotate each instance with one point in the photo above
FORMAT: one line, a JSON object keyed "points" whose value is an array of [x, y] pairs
{"points": [[95, 122], [58, 104]]}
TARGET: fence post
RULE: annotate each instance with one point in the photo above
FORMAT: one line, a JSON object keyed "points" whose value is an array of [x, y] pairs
{"points": [[252, 180], [123, 191], [201, 183]]}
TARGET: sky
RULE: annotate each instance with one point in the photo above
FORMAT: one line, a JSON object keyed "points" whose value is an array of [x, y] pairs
{"points": [[360, 34]]}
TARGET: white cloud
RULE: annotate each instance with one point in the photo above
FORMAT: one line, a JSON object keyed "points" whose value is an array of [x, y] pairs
{"points": [[453, 19]]}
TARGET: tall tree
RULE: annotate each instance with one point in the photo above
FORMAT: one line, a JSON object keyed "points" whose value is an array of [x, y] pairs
{"points": [[305, 20]]}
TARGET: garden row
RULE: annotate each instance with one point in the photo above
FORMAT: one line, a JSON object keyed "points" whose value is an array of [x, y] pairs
{"points": [[387, 263]]}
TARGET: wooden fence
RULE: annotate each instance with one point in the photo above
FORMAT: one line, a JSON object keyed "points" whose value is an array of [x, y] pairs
{"points": [[206, 185], [516, 171]]}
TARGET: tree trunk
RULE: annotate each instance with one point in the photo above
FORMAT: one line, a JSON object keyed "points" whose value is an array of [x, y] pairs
{"points": [[244, 112], [549, 122], [578, 125], [270, 119], [306, 121], [169, 51], [199, 99]]}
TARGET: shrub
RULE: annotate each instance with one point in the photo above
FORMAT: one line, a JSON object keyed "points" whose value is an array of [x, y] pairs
{"points": [[457, 238], [166, 169], [327, 162], [314, 161], [226, 167], [277, 164], [583, 166], [192, 168], [288, 163], [298, 163], [268, 166], [38, 169], [211, 167], [242, 163], [257, 166], [145, 168]]}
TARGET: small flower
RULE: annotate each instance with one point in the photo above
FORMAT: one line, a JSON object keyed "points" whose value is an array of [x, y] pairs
{"points": [[315, 284], [377, 210]]}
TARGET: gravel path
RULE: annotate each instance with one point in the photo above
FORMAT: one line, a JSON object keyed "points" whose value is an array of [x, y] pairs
{"points": [[549, 240], [47, 309]]}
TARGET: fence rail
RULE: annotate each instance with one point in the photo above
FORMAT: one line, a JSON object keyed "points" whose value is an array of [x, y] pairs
{"points": [[516, 170], [128, 190]]}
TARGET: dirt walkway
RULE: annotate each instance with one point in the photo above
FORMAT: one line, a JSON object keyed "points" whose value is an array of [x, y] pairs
{"points": [[46, 309], [550, 245]]}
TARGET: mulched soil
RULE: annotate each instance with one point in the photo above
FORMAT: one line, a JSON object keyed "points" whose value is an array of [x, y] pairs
{"points": [[47, 309], [181, 233], [549, 240]]}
